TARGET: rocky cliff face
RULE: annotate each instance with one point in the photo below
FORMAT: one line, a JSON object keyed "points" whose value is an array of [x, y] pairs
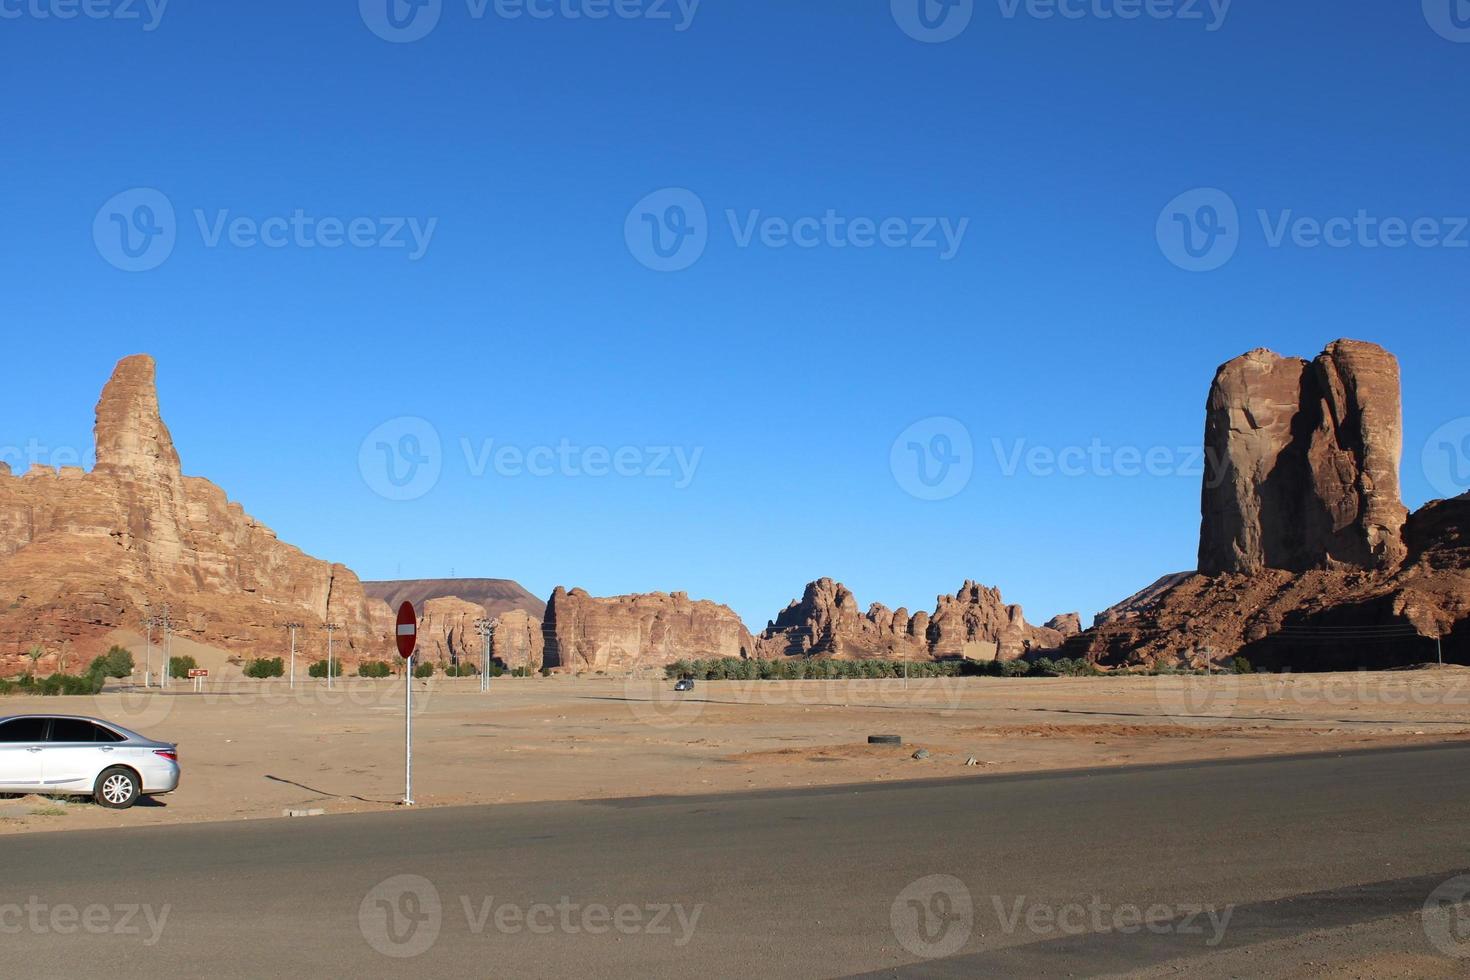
{"points": [[633, 632], [82, 554], [974, 623], [1304, 461], [1308, 558], [447, 633], [518, 641]]}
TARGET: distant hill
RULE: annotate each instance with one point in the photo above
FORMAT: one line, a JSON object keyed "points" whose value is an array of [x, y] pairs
{"points": [[497, 595]]}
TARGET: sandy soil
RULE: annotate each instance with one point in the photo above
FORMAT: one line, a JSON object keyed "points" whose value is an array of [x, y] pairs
{"points": [[255, 749]]}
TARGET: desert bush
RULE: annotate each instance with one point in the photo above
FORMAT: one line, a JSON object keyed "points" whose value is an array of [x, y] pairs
{"points": [[117, 662], [262, 669], [424, 670], [180, 666], [377, 669], [319, 669], [1242, 666], [57, 685]]}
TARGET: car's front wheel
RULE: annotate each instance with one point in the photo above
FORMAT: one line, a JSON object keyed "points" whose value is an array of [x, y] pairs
{"points": [[117, 789]]}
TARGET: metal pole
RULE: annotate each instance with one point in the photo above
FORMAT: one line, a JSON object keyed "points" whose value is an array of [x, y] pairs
{"points": [[1439, 649], [147, 649], [293, 627], [331, 635], [168, 646], [408, 731]]}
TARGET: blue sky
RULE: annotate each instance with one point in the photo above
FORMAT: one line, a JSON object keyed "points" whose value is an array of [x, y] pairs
{"points": [[529, 147]]}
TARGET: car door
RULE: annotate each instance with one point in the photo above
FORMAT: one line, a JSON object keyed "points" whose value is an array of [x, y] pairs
{"points": [[75, 753], [21, 741]]}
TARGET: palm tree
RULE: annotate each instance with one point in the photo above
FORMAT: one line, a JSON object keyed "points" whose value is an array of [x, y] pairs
{"points": [[35, 653]]}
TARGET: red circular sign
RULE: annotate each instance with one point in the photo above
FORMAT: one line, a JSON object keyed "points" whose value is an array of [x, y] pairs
{"points": [[407, 631]]}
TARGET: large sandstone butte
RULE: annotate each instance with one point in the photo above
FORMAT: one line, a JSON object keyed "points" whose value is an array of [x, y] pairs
{"points": [[447, 632], [974, 623], [1308, 558], [448, 635], [83, 554], [518, 641], [1304, 461], [632, 632]]}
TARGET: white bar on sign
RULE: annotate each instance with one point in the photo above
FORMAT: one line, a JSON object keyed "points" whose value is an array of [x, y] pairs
{"points": [[408, 630]]}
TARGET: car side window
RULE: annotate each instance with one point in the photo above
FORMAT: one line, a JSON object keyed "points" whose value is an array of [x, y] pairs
{"points": [[77, 730], [23, 730]]}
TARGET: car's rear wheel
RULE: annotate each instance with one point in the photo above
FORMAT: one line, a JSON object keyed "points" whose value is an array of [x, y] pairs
{"points": [[117, 788]]}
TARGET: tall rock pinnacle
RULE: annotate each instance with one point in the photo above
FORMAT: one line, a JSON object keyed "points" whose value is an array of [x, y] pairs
{"points": [[131, 437], [1302, 463]]}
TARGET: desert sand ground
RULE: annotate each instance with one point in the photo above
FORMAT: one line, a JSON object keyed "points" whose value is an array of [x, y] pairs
{"points": [[255, 749]]}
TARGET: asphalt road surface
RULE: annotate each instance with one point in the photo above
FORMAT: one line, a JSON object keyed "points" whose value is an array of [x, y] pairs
{"points": [[1285, 867]]}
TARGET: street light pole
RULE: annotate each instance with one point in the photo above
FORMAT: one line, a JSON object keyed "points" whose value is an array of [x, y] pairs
{"points": [[148, 623], [331, 629], [486, 629], [168, 647], [293, 627]]}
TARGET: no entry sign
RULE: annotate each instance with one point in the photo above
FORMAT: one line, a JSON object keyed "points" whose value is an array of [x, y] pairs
{"points": [[408, 630]]}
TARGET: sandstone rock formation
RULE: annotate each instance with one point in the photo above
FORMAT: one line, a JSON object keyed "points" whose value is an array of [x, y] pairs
{"points": [[634, 632], [1308, 558], [494, 595], [518, 641], [83, 554], [1067, 624], [447, 633], [1304, 462], [974, 623], [827, 621]]}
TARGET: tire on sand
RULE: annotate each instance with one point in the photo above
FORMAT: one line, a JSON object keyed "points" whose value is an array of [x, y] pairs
{"points": [[117, 788]]}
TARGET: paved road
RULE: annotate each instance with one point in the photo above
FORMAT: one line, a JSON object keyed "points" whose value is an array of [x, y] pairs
{"points": [[1257, 868]]}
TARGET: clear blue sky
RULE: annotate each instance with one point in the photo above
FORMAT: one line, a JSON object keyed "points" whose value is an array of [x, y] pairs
{"points": [[529, 320]]}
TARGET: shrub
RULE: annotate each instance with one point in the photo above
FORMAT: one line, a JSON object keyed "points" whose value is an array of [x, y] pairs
{"points": [[117, 662], [319, 669], [374, 668], [262, 669], [424, 670], [180, 666], [1242, 666], [56, 685]]}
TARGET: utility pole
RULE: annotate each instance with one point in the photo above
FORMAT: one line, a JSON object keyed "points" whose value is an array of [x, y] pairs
{"points": [[148, 623], [486, 629], [1439, 649], [293, 627], [331, 629], [168, 646]]}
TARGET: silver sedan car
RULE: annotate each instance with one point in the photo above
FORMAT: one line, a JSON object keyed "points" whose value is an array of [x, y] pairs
{"points": [[75, 756]]}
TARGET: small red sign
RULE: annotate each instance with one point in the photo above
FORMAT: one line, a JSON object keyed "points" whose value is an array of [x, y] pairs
{"points": [[407, 631], [198, 673]]}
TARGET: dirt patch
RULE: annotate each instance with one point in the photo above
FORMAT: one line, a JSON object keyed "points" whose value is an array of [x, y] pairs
{"points": [[827, 753]]}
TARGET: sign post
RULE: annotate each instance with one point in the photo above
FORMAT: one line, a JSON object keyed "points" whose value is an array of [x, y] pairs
{"points": [[197, 676], [407, 638]]}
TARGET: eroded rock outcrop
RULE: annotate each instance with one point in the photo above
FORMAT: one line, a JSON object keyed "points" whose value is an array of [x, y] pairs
{"points": [[1303, 463], [518, 641], [1067, 624], [447, 633], [635, 632], [83, 554], [974, 623], [1308, 558]]}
